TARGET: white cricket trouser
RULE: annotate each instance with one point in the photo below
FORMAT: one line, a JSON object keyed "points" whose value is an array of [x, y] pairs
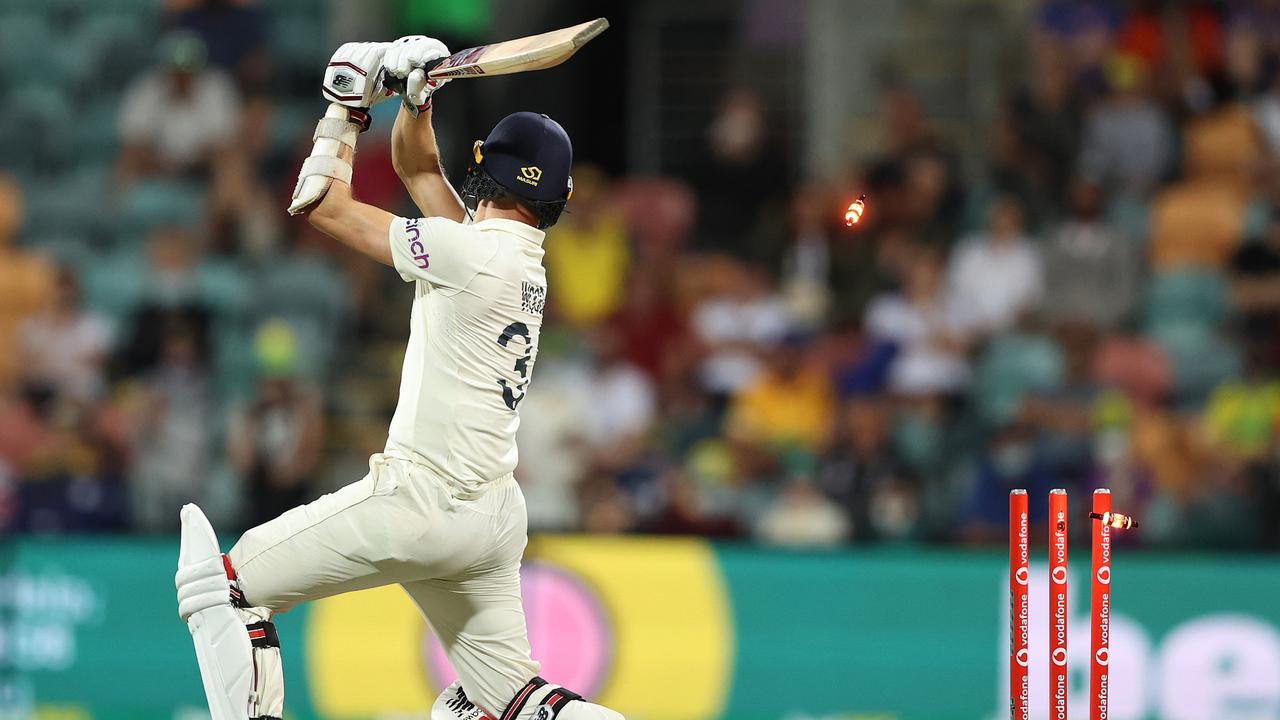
{"points": [[459, 560]]}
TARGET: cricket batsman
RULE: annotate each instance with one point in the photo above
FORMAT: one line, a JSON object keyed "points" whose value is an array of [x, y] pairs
{"points": [[439, 512]]}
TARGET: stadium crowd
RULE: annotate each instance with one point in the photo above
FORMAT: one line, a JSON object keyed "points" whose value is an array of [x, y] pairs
{"points": [[1098, 305]]}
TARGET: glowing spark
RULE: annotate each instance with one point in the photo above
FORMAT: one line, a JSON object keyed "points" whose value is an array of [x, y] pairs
{"points": [[854, 213], [1115, 520]]}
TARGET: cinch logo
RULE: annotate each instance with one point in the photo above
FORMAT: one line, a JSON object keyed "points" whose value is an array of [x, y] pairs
{"points": [[1104, 574], [421, 257], [530, 175]]}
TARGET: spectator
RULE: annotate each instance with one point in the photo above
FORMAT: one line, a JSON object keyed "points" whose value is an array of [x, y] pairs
{"points": [[806, 263], [1185, 37], [1096, 274], [861, 474], [788, 406], [689, 512], [741, 177], [1267, 115], [27, 278], [171, 298], [1255, 291], [925, 331], [802, 517], [734, 324], [179, 120], [1012, 459], [235, 34], [995, 277], [653, 330], [68, 464], [65, 346], [587, 256], [1242, 416], [274, 442], [619, 408], [1128, 139], [1075, 35], [1038, 133], [552, 441], [174, 411]]}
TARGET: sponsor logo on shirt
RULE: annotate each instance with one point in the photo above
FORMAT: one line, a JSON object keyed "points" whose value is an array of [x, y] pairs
{"points": [[416, 248], [533, 298]]}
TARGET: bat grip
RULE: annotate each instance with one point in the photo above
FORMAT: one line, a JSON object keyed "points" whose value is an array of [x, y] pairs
{"points": [[396, 85]]}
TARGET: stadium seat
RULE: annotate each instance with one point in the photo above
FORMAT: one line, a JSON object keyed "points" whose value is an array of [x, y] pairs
{"points": [[1011, 366], [149, 8], [23, 35], [1138, 367], [226, 286], [293, 40], [1201, 360], [57, 206], [98, 142], [1186, 297], [1128, 215], [114, 283], [289, 122], [34, 127], [153, 203], [117, 56]]}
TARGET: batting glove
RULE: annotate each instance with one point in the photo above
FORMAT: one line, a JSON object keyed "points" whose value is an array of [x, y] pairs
{"points": [[354, 76], [407, 60]]}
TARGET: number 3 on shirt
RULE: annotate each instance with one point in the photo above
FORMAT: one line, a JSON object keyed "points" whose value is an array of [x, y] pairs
{"points": [[512, 396]]}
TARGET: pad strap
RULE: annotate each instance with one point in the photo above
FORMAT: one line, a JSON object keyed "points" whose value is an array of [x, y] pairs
{"points": [[327, 166], [336, 129], [263, 634], [557, 699]]}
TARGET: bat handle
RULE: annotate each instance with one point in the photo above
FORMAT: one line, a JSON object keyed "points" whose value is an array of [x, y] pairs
{"points": [[397, 85]]}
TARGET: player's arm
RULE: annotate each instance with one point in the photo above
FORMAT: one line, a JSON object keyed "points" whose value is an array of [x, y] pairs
{"points": [[357, 225], [414, 152], [353, 83], [416, 158]]}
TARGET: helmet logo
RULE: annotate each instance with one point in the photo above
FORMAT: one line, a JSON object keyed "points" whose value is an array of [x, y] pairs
{"points": [[530, 175]]}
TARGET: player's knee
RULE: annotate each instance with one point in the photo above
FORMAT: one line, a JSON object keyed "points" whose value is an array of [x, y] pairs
{"points": [[253, 585]]}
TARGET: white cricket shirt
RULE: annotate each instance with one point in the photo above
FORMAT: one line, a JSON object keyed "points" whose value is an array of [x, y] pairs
{"points": [[473, 337]]}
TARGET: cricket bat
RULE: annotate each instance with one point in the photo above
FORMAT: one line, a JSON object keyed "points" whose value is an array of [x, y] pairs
{"points": [[536, 52]]}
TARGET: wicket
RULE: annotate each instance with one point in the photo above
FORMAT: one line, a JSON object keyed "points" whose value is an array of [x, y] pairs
{"points": [[1020, 611]]}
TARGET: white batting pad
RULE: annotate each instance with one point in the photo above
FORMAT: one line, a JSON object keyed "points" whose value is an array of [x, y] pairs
{"points": [[217, 630]]}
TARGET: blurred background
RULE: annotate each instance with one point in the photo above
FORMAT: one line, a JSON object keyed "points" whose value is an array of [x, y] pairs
{"points": [[1067, 275]]}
